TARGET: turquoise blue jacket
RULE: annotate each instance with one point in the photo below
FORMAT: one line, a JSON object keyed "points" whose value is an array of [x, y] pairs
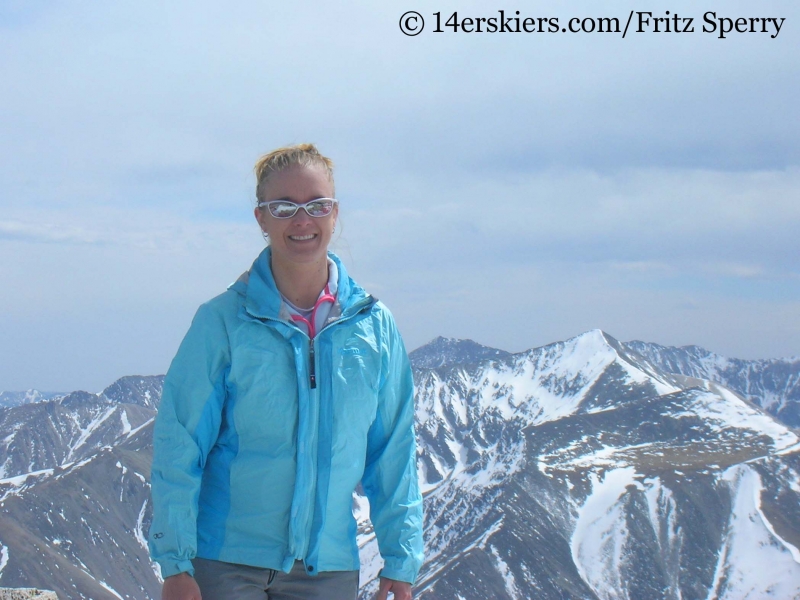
{"points": [[262, 436]]}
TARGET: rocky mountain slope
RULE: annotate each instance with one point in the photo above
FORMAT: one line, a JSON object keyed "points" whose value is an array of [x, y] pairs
{"points": [[38, 437], [583, 469], [773, 384], [8, 399], [445, 352]]}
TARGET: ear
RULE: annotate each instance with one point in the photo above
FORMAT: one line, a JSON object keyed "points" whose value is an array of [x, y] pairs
{"points": [[258, 214]]}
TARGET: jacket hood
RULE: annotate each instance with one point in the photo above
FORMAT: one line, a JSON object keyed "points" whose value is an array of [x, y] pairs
{"points": [[262, 298]]}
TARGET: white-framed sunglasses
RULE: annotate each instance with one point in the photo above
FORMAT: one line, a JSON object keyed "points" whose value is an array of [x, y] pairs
{"points": [[286, 209]]}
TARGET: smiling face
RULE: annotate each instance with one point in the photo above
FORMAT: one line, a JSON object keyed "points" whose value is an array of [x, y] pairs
{"points": [[302, 239]]}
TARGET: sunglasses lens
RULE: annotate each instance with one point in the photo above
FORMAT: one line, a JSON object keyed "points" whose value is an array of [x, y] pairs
{"points": [[282, 210], [319, 208]]}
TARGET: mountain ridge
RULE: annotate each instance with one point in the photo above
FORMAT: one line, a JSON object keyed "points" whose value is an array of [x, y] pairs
{"points": [[580, 469]]}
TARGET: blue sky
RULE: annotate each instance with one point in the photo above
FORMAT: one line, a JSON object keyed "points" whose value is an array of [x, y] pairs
{"points": [[516, 189]]}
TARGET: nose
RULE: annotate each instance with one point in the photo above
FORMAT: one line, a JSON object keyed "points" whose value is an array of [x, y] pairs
{"points": [[301, 217]]}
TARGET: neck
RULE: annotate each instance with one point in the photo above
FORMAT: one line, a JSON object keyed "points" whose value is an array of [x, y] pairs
{"points": [[301, 283]]}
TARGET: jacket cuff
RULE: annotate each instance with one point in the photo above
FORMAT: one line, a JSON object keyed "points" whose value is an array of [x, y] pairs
{"points": [[173, 567]]}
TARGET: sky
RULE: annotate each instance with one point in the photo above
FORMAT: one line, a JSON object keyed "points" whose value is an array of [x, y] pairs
{"points": [[516, 189]]}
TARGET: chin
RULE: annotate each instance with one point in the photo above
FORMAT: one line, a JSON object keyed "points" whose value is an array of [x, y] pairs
{"points": [[302, 255]]}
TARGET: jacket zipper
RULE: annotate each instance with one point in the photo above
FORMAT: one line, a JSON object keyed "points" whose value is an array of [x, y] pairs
{"points": [[311, 352], [312, 369], [312, 375]]}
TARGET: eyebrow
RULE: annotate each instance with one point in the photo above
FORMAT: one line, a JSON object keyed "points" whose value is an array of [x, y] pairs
{"points": [[295, 202]]}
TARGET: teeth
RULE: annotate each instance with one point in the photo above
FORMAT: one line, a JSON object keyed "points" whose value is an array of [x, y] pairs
{"points": [[300, 238]]}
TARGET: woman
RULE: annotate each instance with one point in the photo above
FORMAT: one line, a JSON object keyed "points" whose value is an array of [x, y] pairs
{"points": [[288, 390]]}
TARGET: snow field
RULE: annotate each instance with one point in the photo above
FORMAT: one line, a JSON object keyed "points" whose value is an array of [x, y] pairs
{"points": [[755, 562], [601, 533]]}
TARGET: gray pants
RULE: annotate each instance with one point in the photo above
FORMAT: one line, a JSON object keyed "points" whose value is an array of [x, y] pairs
{"points": [[227, 581]]}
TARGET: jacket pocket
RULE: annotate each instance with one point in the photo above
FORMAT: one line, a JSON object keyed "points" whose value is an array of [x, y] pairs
{"points": [[265, 395], [356, 389]]}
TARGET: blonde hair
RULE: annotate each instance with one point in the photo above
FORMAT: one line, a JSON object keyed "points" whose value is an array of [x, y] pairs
{"points": [[303, 155]]}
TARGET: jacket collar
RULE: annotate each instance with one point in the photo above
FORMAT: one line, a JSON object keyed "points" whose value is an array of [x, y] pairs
{"points": [[261, 296]]}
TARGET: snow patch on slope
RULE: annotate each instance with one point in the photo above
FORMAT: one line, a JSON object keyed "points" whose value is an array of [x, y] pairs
{"points": [[19, 483], [110, 590], [754, 562], [139, 531], [3, 558], [126, 425], [663, 515], [735, 412], [10, 437], [663, 512], [90, 428], [610, 457], [601, 533], [508, 577], [638, 376]]}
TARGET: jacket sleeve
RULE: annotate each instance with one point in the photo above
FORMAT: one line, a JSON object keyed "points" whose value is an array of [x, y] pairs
{"points": [[185, 430], [390, 476]]}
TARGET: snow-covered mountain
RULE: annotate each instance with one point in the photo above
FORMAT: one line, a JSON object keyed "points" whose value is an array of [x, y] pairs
{"points": [[582, 469], [81, 529], [445, 352], [74, 492], [773, 384], [8, 399], [41, 436]]}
